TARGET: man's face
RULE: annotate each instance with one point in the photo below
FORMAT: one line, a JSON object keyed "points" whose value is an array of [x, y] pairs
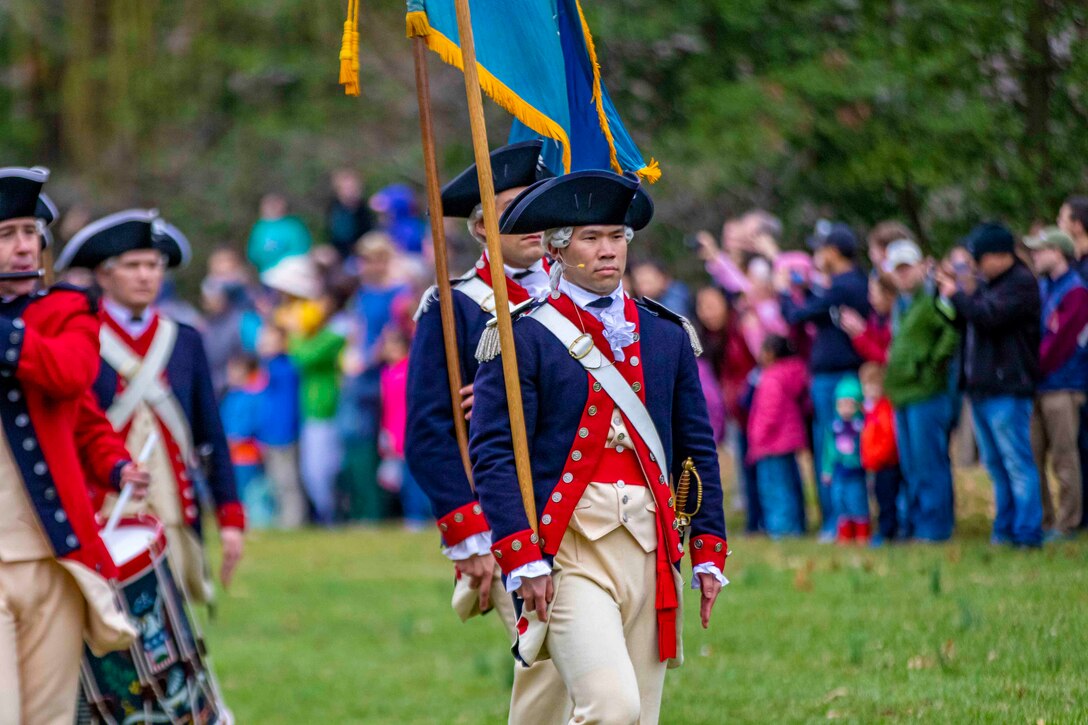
{"points": [[596, 258], [877, 255], [991, 266], [824, 259], [518, 250], [1046, 260], [134, 278], [20, 251], [908, 277]]}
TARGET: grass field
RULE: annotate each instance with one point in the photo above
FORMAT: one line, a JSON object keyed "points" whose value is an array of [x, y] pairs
{"points": [[354, 626]]}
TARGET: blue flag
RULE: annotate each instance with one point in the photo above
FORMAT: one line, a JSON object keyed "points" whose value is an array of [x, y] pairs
{"points": [[536, 59]]}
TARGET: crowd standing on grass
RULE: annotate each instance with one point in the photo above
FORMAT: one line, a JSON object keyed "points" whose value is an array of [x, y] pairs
{"points": [[848, 365]]}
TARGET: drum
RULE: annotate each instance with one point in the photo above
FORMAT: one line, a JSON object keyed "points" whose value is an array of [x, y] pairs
{"points": [[164, 676]]}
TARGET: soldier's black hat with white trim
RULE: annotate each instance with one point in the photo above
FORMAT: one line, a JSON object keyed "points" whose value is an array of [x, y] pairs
{"points": [[122, 232], [583, 198], [21, 194], [512, 167]]}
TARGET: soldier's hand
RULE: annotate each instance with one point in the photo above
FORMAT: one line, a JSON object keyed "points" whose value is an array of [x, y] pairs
{"points": [[537, 593], [140, 480], [233, 541], [710, 588], [480, 571], [467, 399]]}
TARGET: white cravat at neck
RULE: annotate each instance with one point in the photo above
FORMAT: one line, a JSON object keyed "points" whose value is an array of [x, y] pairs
{"points": [[617, 330], [535, 283], [134, 325]]}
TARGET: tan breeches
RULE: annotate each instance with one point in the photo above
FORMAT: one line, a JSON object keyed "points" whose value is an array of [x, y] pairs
{"points": [[602, 631], [539, 696], [41, 643]]}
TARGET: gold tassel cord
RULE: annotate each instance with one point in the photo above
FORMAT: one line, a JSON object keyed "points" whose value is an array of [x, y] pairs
{"points": [[349, 51]]}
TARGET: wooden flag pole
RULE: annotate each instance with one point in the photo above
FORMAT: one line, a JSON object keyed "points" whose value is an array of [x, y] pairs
{"points": [[494, 253], [441, 260]]}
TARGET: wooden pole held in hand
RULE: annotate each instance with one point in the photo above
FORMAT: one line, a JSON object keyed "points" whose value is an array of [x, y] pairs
{"points": [[441, 259], [494, 253]]}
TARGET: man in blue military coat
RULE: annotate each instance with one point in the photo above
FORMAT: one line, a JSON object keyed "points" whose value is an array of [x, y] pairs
{"points": [[154, 378], [431, 447], [613, 410]]}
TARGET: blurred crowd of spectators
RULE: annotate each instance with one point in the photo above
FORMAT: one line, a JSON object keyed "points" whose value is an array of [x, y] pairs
{"points": [[860, 355], [871, 370]]}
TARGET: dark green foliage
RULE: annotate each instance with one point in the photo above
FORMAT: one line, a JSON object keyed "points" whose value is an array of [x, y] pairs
{"points": [[934, 112]]}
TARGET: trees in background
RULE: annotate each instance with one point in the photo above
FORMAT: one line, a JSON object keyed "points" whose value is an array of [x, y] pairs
{"points": [[935, 112]]}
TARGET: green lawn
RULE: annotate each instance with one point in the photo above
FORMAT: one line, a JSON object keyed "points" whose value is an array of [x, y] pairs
{"points": [[355, 626]]}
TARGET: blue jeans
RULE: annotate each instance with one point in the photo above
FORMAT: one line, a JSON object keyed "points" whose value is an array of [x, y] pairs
{"points": [[823, 404], [1004, 445], [887, 484], [746, 476], [415, 504], [779, 483], [320, 454], [850, 493], [921, 434], [1083, 446]]}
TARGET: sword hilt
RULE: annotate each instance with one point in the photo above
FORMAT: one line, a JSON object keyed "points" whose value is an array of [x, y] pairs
{"points": [[683, 491]]}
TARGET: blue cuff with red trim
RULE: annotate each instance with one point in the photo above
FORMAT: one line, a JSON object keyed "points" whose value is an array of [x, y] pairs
{"points": [[709, 549], [517, 550], [461, 523]]}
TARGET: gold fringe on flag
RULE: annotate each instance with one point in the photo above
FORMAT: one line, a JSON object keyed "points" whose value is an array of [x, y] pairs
{"points": [[419, 26], [349, 51]]}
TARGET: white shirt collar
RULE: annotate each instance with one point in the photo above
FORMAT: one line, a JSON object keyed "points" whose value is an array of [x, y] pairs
{"points": [[617, 330], [123, 316], [536, 283], [582, 297]]}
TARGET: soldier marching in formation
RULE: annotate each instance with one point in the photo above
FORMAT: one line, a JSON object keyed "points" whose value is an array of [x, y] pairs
{"points": [[613, 411]]}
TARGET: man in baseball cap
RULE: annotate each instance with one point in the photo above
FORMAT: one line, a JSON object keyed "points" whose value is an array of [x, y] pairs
{"points": [[1063, 364], [835, 249]]}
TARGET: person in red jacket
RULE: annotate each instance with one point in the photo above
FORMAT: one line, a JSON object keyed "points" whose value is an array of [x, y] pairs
{"points": [[873, 336], [879, 455], [53, 564]]}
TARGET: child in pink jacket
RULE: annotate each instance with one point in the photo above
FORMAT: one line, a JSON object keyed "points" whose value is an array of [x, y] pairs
{"points": [[776, 432]]}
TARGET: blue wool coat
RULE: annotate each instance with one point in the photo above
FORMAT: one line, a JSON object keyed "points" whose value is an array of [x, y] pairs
{"points": [[190, 379], [555, 389], [430, 446]]}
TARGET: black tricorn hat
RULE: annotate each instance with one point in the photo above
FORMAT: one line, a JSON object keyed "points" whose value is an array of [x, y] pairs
{"points": [[512, 167], [122, 232], [580, 199], [20, 192]]}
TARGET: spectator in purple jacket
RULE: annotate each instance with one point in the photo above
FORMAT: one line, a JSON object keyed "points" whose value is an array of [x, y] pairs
{"points": [[1073, 220], [1063, 365]]}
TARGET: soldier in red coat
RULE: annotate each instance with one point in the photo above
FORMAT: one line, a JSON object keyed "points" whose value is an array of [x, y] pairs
{"points": [[53, 565]]}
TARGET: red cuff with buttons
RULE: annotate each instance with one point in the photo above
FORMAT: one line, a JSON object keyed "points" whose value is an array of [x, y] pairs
{"points": [[709, 549], [232, 516], [461, 523], [517, 550]]}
